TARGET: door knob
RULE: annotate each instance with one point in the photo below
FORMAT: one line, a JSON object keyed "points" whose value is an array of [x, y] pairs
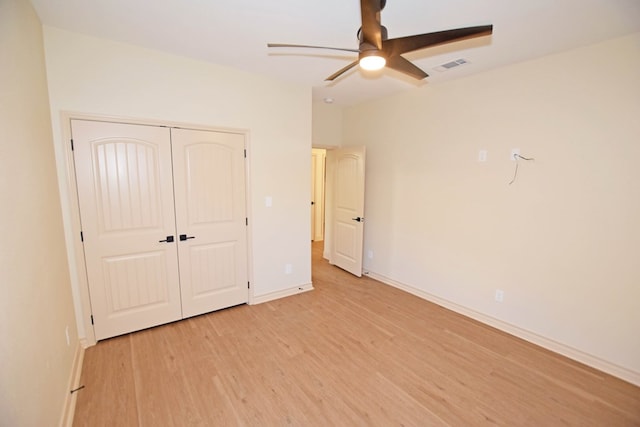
{"points": [[169, 239], [184, 237], [358, 219]]}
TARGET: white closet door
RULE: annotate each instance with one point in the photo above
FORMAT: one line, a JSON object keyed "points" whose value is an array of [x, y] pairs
{"points": [[126, 201], [209, 181]]}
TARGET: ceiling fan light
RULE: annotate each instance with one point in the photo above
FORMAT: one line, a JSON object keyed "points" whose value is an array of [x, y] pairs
{"points": [[372, 62]]}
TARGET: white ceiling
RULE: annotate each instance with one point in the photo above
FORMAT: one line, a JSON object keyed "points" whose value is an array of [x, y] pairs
{"points": [[235, 33]]}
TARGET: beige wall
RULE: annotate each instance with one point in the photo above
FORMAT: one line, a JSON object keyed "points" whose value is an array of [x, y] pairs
{"points": [[97, 76], [327, 125], [562, 242], [35, 298]]}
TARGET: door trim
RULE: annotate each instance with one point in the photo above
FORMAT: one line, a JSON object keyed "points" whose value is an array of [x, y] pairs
{"points": [[71, 211]]}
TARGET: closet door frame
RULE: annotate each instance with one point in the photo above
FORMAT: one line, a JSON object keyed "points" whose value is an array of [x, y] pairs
{"points": [[71, 212]]}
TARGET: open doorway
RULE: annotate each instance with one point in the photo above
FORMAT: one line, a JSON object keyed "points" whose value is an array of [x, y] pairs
{"points": [[318, 178], [337, 213]]}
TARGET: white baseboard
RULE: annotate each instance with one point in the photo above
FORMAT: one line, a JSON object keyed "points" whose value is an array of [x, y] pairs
{"points": [[570, 352], [281, 294], [69, 408]]}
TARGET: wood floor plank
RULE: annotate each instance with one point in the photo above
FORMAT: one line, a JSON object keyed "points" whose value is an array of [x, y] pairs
{"points": [[353, 352], [107, 376]]}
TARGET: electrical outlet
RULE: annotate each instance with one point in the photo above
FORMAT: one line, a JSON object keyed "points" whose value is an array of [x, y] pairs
{"points": [[288, 269], [499, 295], [370, 254], [514, 153], [482, 155]]}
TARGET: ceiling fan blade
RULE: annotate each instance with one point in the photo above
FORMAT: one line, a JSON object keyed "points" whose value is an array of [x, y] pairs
{"points": [[340, 72], [397, 46], [371, 31], [405, 66], [312, 47]]}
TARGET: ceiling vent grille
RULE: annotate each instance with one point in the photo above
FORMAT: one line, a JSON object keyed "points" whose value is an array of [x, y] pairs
{"points": [[450, 65]]}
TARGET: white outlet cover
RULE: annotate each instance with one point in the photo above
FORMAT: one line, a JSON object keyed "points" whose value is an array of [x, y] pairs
{"points": [[482, 155], [514, 152], [268, 201]]}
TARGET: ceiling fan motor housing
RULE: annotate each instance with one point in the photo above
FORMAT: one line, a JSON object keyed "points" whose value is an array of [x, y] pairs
{"points": [[383, 32]]}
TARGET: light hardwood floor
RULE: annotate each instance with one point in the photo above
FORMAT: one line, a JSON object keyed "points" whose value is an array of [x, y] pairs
{"points": [[353, 352]]}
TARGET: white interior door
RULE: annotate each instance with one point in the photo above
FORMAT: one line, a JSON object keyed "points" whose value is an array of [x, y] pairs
{"points": [[127, 211], [209, 180], [348, 208]]}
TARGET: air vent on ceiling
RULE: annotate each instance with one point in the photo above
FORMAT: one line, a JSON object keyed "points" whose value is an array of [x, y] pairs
{"points": [[452, 64]]}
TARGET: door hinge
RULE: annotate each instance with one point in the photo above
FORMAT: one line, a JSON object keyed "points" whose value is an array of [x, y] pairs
{"points": [[246, 221], [72, 144], [92, 319], [81, 237], [245, 153], [248, 285]]}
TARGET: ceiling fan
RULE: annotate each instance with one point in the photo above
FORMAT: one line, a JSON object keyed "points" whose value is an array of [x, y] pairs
{"points": [[377, 51]]}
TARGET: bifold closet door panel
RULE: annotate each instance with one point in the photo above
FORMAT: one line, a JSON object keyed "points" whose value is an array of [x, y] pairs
{"points": [[209, 183], [125, 191]]}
